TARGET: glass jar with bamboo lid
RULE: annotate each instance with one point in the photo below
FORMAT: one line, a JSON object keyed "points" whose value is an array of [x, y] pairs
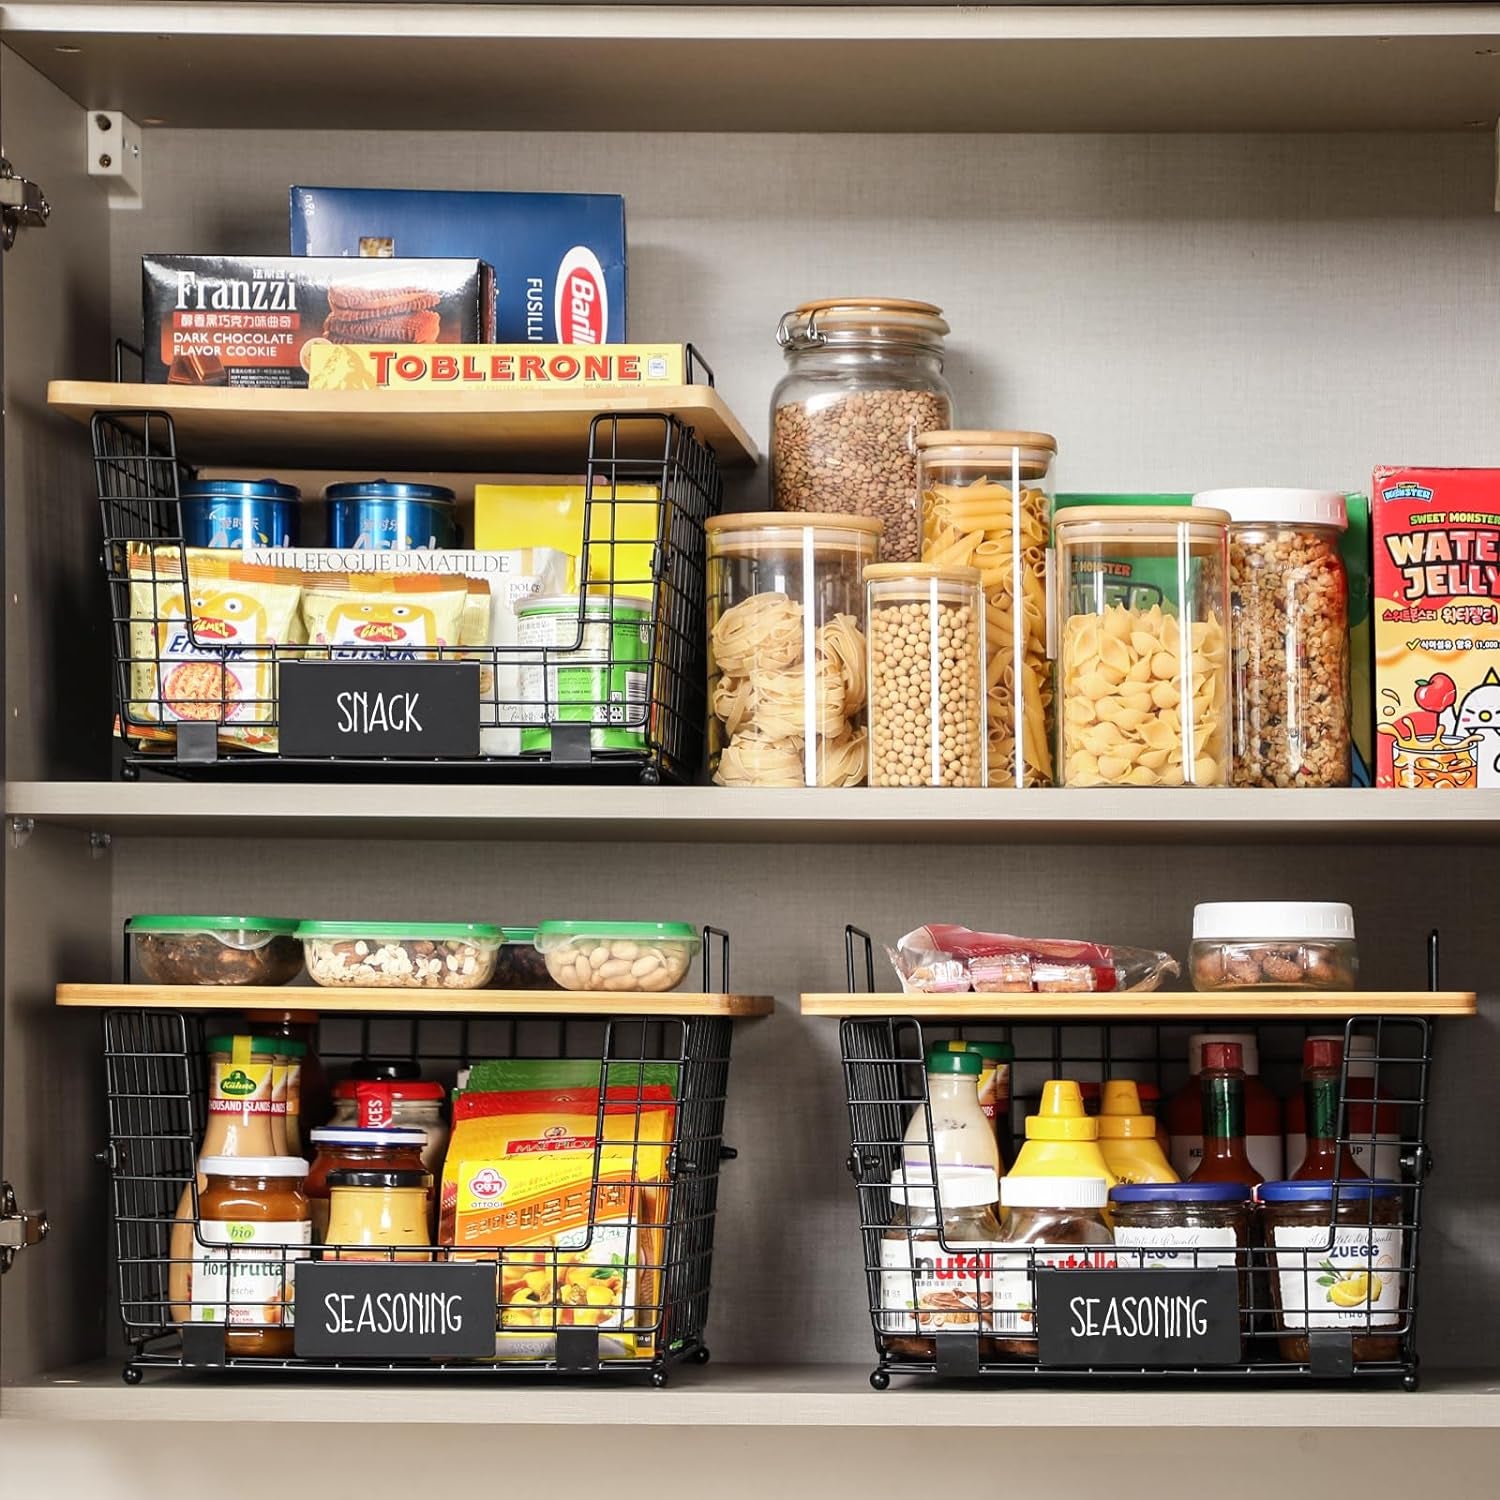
{"points": [[987, 503]]}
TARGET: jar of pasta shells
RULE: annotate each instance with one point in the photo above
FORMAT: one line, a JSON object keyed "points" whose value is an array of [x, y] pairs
{"points": [[987, 503], [864, 377], [1143, 650], [786, 648], [926, 670]]}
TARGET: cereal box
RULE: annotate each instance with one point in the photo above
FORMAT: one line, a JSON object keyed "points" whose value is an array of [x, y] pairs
{"points": [[1437, 627]]}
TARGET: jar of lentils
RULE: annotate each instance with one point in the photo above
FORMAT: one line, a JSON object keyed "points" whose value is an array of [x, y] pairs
{"points": [[1289, 635], [864, 377], [926, 676]]}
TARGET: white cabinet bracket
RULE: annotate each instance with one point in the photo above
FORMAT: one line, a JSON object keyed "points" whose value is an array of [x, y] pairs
{"points": [[114, 156]]}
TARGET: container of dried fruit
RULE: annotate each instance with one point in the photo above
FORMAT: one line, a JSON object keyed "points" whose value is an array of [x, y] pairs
{"points": [[1289, 635], [864, 377], [786, 648], [987, 502], [400, 955], [1143, 648], [1275, 945], [176, 949], [927, 656]]}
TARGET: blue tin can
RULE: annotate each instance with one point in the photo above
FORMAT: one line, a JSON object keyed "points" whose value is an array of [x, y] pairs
{"points": [[239, 513], [384, 517]]}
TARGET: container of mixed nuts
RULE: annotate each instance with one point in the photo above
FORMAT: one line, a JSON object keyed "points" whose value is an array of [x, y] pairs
{"points": [[864, 377], [176, 949], [400, 955], [1289, 634], [1273, 945]]}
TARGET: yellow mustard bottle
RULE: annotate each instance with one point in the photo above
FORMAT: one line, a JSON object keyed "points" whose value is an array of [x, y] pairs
{"points": [[1127, 1136], [1061, 1139]]}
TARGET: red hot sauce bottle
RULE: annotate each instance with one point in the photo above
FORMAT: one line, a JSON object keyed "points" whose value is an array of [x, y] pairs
{"points": [[1223, 1084]]}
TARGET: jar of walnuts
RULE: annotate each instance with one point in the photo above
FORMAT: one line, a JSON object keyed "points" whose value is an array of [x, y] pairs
{"points": [[1289, 636], [926, 676], [864, 377]]}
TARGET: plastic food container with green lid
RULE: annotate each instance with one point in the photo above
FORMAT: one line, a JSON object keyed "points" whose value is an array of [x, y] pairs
{"points": [[628, 956], [520, 966], [401, 955], [173, 948]]}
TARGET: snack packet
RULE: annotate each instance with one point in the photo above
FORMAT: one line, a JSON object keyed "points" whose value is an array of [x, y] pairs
{"points": [[943, 959], [395, 616]]}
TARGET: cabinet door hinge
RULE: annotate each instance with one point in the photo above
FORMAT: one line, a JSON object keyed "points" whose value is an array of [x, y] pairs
{"points": [[19, 1227], [23, 205]]}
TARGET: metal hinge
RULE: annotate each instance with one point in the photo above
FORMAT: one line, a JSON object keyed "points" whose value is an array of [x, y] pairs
{"points": [[19, 1227], [23, 205]]}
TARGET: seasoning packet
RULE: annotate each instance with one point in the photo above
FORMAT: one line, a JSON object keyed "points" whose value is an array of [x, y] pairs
{"points": [[943, 959]]}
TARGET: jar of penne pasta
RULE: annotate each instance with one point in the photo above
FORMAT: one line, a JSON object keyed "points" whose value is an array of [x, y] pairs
{"points": [[786, 648], [926, 675], [1143, 651], [987, 504]]}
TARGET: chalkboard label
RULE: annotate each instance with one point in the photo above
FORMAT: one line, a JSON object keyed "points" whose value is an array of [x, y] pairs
{"points": [[395, 1310], [1141, 1318], [410, 709]]}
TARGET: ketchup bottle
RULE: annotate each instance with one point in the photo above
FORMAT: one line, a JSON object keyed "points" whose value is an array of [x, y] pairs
{"points": [[1322, 1067], [1223, 1084]]}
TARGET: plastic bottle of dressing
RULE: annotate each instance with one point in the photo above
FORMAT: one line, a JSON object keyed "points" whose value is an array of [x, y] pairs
{"points": [[961, 1136], [1127, 1136], [1061, 1140]]}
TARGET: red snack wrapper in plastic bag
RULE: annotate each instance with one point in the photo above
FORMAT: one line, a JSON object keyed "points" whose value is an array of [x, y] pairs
{"points": [[944, 959]]}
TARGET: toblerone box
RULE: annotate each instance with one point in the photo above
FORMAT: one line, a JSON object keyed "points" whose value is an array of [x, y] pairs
{"points": [[1437, 627], [379, 367]]}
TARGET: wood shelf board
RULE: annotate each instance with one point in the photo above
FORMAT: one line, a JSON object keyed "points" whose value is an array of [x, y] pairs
{"points": [[366, 1002], [490, 430], [700, 67], [813, 815], [757, 1396], [1158, 1005]]}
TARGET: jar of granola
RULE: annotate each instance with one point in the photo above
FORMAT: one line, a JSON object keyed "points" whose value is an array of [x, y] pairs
{"points": [[1289, 636]]}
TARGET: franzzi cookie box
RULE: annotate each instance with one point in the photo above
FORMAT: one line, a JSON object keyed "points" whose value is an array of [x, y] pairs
{"points": [[559, 258], [251, 319], [1437, 627]]}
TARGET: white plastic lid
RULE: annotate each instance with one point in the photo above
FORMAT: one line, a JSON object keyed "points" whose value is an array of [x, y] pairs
{"points": [[1054, 1192], [1288, 507], [1249, 1047], [252, 1166], [961, 1187], [1272, 921]]}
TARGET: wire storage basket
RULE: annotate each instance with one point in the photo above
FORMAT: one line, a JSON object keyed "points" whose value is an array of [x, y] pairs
{"points": [[601, 1264], [1318, 1282], [612, 686]]}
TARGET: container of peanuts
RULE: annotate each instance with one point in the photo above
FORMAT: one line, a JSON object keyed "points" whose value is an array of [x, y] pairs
{"points": [[987, 503], [927, 661], [1143, 666], [627, 956], [864, 377], [786, 648]]}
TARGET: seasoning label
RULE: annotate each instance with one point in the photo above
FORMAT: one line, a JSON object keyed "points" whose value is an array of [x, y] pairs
{"points": [[923, 1286], [1177, 1247], [245, 1273], [1354, 1284], [1014, 1287]]}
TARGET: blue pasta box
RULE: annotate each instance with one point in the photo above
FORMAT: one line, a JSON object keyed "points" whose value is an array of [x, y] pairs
{"points": [[559, 258]]}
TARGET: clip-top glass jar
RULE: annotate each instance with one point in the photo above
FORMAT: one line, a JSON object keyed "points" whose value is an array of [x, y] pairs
{"points": [[1143, 651], [786, 648], [1289, 612], [864, 377], [926, 675], [987, 502]]}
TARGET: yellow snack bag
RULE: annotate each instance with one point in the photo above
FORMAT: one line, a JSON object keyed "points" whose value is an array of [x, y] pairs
{"points": [[396, 616], [520, 1177]]}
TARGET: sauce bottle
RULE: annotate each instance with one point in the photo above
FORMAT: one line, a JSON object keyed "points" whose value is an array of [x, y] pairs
{"points": [[1323, 1159], [1225, 1158], [1127, 1136], [1263, 1142], [1061, 1140], [961, 1136], [1372, 1121]]}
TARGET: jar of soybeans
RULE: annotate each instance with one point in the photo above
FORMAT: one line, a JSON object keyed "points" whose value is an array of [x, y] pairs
{"points": [[1143, 646], [987, 502], [926, 672], [786, 648]]}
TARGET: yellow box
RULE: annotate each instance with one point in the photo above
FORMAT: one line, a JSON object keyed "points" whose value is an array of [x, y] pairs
{"points": [[382, 367]]}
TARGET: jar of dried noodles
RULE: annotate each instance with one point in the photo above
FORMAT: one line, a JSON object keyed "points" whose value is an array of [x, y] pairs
{"points": [[786, 648], [987, 504]]}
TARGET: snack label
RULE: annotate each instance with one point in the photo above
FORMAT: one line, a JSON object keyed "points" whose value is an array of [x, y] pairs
{"points": [[1355, 1283], [244, 1273], [377, 366], [1014, 1295], [924, 1287]]}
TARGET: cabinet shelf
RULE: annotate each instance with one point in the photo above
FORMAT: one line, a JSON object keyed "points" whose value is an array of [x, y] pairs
{"points": [[477, 430], [1159, 1005], [371, 1002]]}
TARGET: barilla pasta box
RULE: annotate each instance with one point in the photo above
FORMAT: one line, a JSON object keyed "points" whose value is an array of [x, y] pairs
{"points": [[1437, 628], [559, 258]]}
